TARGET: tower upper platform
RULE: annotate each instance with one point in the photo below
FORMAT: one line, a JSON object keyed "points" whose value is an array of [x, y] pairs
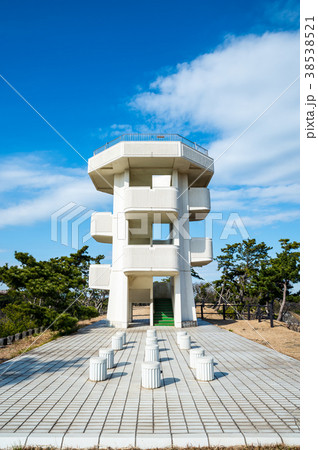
{"points": [[141, 151]]}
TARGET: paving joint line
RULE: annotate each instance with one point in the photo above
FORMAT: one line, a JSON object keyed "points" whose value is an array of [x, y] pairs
{"points": [[262, 401]]}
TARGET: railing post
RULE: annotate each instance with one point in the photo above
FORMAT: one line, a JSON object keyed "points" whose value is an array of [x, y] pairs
{"points": [[202, 310], [223, 311], [248, 312], [258, 313], [271, 314]]}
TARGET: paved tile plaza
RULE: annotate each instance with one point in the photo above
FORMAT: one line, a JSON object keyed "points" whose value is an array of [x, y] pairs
{"points": [[46, 397]]}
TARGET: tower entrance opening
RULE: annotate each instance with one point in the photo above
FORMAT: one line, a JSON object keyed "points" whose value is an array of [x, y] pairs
{"points": [[162, 302], [140, 314]]}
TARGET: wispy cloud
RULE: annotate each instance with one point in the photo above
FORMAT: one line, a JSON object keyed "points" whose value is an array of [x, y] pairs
{"points": [[31, 190], [283, 12], [117, 129], [269, 219], [221, 93], [253, 198]]}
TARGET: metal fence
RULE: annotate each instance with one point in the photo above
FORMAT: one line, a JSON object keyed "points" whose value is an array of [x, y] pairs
{"points": [[151, 138], [245, 311]]}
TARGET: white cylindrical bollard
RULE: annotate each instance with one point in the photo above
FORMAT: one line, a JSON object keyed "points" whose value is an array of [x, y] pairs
{"points": [[194, 354], [179, 334], [107, 353], [205, 369], [150, 374], [185, 342], [97, 368], [117, 342], [151, 333], [151, 341], [152, 352], [123, 335]]}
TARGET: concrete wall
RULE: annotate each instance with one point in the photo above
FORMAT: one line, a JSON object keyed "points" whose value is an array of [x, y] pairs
{"points": [[147, 199], [201, 251], [102, 227], [99, 276]]}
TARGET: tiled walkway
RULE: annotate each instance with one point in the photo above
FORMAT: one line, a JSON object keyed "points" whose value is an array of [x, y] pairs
{"points": [[46, 397]]}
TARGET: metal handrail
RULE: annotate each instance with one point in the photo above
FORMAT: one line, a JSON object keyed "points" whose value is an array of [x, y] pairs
{"points": [[151, 137]]}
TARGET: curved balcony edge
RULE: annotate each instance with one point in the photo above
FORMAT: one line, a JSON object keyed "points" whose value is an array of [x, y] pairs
{"points": [[101, 227], [99, 276], [201, 251], [146, 199], [156, 260]]}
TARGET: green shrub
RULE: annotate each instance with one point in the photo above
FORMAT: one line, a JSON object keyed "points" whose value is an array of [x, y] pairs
{"points": [[65, 322], [16, 318], [19, 317], [87, 312], [230, 313]]}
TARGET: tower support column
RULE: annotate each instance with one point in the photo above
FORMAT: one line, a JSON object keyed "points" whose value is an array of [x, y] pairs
{"points": [[117, 311], [184, 306]]}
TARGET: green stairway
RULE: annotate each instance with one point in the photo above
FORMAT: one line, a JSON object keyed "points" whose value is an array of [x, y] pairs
{"points": [[163, 312]]}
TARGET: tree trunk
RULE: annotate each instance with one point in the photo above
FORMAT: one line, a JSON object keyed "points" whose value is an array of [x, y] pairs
{"points": [[219, 302], [280, 314]]}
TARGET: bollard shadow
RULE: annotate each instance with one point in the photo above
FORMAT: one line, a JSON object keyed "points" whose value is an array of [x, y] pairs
{"points": [[207, 321], [121, 364], [195, 346], [88, 328], [165, 359], [161, 340], [170, 380], [128, 346], [131, 342], [218, 375], [117, 375], [163, 349]]}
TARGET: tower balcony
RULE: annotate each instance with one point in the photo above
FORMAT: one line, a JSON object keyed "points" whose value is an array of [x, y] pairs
{"points": [[201, 251], [146, 199], [99, 276], [153, 260], [199, 203], [102, 226], [131, 151]]}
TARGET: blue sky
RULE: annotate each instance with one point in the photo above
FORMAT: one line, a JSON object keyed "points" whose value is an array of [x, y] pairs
{"points": [[97, 69]]}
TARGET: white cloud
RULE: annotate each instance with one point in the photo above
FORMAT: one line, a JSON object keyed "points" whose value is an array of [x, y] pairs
{"points": [[29, 172], [223, 92], [45, 188], [251, 198], [117, 129], [269, 219], [282, 12]]}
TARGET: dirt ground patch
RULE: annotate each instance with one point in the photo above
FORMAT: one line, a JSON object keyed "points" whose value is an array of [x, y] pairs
{"points": [[26, 344], [279, 338], [84, 323], [30, 342], [141, 312]]}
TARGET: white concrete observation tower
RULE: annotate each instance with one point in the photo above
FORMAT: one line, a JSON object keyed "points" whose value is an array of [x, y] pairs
{"points": [[159, 183]]}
